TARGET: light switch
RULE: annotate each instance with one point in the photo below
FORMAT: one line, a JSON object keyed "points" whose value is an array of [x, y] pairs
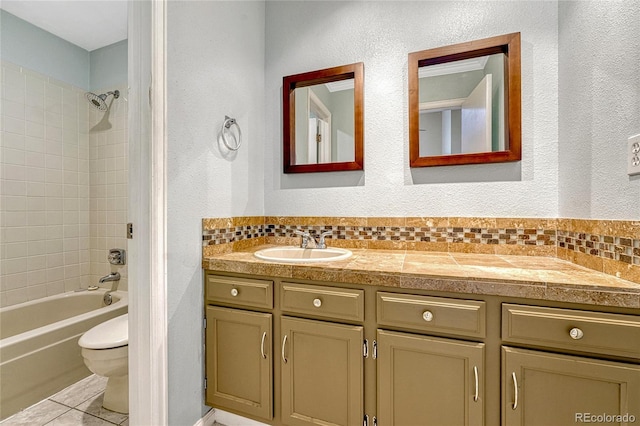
{"points": [[633, 156]]}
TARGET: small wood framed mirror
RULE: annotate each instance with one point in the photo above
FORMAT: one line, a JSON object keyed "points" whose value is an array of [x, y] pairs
{"points": [[323, 120], [464, 103]]}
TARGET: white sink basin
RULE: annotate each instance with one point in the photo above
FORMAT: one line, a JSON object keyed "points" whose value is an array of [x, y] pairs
{"points": [[300, 255]]}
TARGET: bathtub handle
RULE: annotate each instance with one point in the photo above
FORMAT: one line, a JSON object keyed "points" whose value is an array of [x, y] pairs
{"points": [[264, 335]]}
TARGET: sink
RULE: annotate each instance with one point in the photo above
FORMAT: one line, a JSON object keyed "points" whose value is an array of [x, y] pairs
{"points": [[299, 255]]}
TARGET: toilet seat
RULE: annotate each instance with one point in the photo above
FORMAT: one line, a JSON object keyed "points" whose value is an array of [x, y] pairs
{"points": [[110, 334]]}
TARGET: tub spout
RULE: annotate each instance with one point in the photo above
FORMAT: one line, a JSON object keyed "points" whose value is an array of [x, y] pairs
{"points": [[114, 276]]}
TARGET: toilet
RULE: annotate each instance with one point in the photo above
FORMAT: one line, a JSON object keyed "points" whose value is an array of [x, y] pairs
{"points": [[105, 349]]}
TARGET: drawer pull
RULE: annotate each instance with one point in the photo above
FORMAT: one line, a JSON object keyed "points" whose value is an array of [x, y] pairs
{"points": [[475, 374], [576, 333], [264, 355], [427, 316], [317, 303], [234, 292], [284, 343], [515, 391]]}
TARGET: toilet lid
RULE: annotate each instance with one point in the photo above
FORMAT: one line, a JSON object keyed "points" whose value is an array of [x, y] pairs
{"points": [[110, 334]]}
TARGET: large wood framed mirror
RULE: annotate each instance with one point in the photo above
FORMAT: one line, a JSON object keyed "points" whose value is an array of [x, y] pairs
{"points": [[464, 103], [323, 120]]}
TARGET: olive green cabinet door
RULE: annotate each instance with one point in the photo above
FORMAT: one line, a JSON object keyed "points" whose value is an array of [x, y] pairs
{"points": [[322, 373], [548, 389], [238, 361], [426, 381]]}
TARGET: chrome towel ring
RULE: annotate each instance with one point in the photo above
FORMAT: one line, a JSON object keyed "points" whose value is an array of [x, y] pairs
{"points": [[226, 128]]}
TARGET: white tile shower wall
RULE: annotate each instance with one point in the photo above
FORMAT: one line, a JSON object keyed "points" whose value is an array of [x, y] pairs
{"points": [[63, 187], [108, 163], [44, 185]]}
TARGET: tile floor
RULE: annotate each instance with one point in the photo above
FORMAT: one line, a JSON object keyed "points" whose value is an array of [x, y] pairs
{"points": [[78, 405]]}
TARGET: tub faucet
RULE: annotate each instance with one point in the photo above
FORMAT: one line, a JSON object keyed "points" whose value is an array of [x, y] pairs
{"points": [[115, 277]]}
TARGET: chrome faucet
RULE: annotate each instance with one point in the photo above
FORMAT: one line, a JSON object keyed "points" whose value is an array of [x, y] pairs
{"points": [[309, 241], [305, 238], [114, 276], [322, 244]]}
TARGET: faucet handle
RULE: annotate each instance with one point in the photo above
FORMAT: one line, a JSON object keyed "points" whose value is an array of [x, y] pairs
{"points": [[117, 257], [322, 244], [305, 238]]}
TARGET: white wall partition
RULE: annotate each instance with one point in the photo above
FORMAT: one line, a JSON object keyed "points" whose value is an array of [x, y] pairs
{"points": [[148, 351], [599, 98], [381, 34], [215, 60]]}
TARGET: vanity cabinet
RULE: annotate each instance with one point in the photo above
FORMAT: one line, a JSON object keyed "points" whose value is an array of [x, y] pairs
{"points": [[549, 389], [322, 373], [322, 360], [299, 352], [238, 345], [426, 380], [543, 387]]}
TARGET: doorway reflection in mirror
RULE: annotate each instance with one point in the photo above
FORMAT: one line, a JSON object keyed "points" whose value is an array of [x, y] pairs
{"points": [[322, 120], [462, 106], [324, 123]]}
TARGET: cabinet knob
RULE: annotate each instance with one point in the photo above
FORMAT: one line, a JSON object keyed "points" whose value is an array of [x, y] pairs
{"points": [[427, 316], [317, 303], [234, 292], [576, 333]]}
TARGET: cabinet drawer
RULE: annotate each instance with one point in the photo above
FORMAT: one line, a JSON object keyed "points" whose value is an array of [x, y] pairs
{"points": [[584, 331], [432, 314], [321, 301], [239, 291]]}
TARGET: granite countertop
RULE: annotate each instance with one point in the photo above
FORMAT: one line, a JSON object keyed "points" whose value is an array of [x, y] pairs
{"points": [[544, 278]]}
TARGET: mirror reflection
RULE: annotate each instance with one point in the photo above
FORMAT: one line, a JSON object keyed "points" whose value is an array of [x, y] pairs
{"points": [[462, 106], [324, 121], [464, 103]]}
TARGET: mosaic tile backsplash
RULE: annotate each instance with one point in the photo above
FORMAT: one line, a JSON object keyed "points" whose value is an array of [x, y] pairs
{"points": [[594, 244], [623, 249], [424, 234], [387, 233], [232, 234]]}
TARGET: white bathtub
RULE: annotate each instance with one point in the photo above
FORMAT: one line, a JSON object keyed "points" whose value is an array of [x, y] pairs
{"points": [[39, 352]]}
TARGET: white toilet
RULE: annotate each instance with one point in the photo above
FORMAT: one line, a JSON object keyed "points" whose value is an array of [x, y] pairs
{"points": [[105, 349]]}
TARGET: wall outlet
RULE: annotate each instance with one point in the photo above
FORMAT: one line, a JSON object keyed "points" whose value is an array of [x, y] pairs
{"points": [[633, 155]]}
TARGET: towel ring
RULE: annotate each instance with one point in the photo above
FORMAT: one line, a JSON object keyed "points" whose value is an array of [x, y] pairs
{"points": [[226, 126]]}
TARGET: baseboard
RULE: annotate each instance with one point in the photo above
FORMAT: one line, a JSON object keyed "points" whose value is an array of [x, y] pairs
{"points": [[223, 418], [208, 419]]}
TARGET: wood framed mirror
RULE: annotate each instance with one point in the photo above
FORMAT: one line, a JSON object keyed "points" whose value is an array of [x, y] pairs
{"points": [[323, 120], [464, 103]]}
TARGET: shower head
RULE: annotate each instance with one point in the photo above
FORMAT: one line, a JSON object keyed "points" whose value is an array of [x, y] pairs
{"points": [[98, 101]]}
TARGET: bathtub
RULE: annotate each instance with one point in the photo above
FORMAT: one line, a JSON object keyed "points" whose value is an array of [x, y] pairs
{"points": [[39, 352]]}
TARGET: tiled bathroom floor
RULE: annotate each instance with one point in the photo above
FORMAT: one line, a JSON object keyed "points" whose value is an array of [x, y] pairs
{"points": [[79, 404]]}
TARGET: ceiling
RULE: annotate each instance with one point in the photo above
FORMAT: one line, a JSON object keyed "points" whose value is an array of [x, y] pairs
{"points": [[90, 24]]}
